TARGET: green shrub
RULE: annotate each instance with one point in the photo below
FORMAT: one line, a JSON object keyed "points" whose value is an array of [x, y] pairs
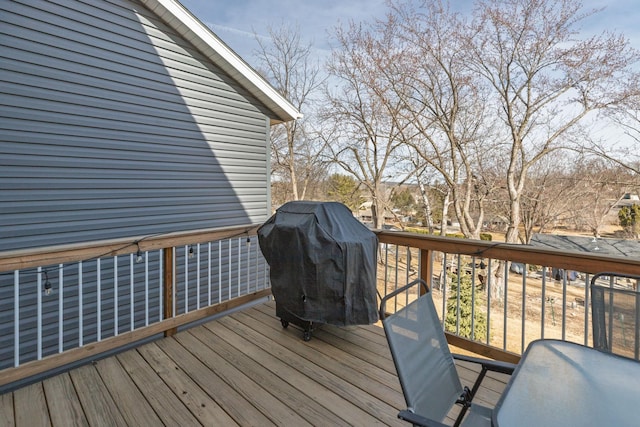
{"points": [[464, 327], [456, 235], [416, 230]]}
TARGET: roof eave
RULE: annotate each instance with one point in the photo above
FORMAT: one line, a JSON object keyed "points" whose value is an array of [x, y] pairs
{"points": [[191, 28]]}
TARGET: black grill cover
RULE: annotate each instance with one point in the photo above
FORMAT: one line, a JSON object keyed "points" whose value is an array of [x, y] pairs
{"points": [[322, 262]]}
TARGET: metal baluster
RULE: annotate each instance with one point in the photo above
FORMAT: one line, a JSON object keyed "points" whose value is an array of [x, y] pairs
{"points": [[386, 268], [80, 307], [505, 299], [443, 286], [488, 281], [230, 271], [187, 251], [60, 308], [160, 284], [39, 315], [174, 303], [209, 274], [239, 264], [395, 300], [219, 271], [16, 318], [459, 283], [146, 288], [98, 297], [115, 296], [587, 292], [524, 306], [564, 305], [544, 301], [131, 292], [198, 276], [473, 298]]}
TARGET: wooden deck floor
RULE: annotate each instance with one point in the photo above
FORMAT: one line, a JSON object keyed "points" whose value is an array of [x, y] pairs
{"points": [[243, 369]]}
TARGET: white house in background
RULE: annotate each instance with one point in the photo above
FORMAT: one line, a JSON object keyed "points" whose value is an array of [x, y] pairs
{"points": [[119, 118]]}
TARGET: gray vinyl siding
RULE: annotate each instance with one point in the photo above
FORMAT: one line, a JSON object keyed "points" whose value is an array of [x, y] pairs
{"points": [[112, 125]]}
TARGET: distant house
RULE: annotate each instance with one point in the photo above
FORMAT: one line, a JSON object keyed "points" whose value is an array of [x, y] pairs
{"points": [[126, 117], [120, 118]]}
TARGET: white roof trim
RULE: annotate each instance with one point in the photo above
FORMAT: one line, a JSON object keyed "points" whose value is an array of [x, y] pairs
{"points": [[181, 20]]}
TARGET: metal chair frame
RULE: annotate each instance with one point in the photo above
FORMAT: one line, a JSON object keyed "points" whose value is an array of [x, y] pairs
{"points": [[479, 414], [605, 312]]}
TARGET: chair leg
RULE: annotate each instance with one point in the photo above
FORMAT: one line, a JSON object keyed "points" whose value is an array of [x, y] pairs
{"points": [[467, 396]]}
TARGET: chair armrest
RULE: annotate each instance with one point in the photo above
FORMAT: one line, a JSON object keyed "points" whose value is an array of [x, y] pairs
{"points": [[491, 365], [419, 420]]}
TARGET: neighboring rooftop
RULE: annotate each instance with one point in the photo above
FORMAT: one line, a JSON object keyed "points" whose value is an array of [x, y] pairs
{"points": [[615, 247]]}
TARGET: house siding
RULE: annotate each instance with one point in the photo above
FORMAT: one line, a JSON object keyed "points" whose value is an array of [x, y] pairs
{"points": [[112, 125]]}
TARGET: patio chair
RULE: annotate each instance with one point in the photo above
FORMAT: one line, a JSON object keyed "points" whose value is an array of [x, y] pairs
{"points": [[426, 367], [615, 309]]}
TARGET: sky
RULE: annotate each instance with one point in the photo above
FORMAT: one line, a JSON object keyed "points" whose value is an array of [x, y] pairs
{"points": [[236, 21]]}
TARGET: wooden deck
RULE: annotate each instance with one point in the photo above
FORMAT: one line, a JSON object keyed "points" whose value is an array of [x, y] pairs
{"points": [[242, 369]]}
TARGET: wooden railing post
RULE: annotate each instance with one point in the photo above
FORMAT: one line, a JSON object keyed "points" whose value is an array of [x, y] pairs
{"points": [[167, 287], [426, 269]]}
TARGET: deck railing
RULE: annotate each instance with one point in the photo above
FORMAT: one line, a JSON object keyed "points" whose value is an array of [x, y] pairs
{"points": [[64, 304], [67, 304], [494, 298]]}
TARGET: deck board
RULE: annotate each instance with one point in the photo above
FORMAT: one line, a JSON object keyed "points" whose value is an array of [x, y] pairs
{"points": [[285, 392], [242, 369], [322, 386], [134, 408], [99, 407], [30, 406], [156, 390], [67, 409], [7, 417]]}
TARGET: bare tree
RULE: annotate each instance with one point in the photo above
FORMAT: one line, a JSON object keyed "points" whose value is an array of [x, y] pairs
{"points": [[360, 123], [545, 80], [550, 198], [601, 184], [621, 148], [443, 103], [289, 65]]}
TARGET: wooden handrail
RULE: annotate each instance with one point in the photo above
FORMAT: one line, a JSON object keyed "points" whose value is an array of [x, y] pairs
{"points": [[527, 254], [62, 254]]}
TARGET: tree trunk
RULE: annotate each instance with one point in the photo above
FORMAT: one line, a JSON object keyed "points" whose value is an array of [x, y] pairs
{"points": [[445, 213], [292, 161], [426, 206]]}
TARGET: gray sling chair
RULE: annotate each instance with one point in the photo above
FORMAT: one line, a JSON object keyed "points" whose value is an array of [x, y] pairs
{"points": [[615, 309], [426, 368]]}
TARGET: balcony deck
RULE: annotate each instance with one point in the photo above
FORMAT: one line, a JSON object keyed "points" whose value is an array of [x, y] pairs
{"points": [[242, 369]]}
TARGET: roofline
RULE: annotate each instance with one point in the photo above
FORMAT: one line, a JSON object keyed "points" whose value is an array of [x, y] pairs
{"points": [[191, 28]]}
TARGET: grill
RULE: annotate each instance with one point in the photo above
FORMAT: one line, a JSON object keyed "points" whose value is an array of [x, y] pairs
{"points": [[322, 265]]}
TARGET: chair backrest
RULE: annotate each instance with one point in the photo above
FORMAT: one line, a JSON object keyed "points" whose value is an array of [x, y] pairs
{"points": [[425, 366], [615, 309]]}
